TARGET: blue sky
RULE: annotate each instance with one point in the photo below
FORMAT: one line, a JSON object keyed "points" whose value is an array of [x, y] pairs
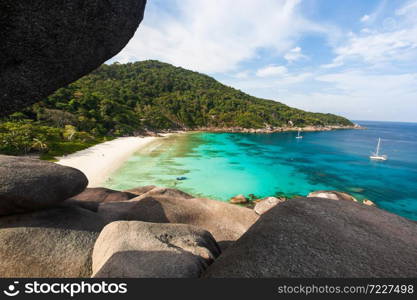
{"points": [[357, 58]]}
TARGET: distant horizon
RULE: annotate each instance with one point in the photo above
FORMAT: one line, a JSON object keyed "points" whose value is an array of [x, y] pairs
{"points": [[356, 58], [385, 121]]}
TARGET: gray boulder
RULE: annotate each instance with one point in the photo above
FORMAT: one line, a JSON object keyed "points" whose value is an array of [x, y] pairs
{"points": [[162, 191], [266, 204], [90, 198], [149, 250], [226, 222], [48, 44], [28, 184], [333, 195], [141, 190], [315, 237], [50, 243]]}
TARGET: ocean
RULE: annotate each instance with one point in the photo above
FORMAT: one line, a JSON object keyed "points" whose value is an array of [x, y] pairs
{"points": [[222, 165]]}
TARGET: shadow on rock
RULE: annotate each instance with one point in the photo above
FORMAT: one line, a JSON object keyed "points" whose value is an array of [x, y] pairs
{"points": [[152, 264], [135, 249], [316, 237]]}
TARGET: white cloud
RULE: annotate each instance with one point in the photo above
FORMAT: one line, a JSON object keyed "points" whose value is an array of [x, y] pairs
{"points": [[362, 96], [242, 75], [271, 71], [376, 75], [383, 47], [271, 86], [379, 11], [356, 81], [409, 6], [365, 18], [216, 35], [295, 78], [336, 63], [394, 41], [357, 94], [294, 54]]}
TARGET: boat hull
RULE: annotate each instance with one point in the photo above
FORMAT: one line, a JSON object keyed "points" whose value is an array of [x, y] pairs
{"points": [[378, 157]]}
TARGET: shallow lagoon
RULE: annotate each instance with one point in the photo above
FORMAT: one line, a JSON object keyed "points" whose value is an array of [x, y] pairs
{"points": [[222, 165]]}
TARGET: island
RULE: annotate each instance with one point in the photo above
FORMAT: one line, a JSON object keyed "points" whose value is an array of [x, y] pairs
{"points": [[145, 98]]}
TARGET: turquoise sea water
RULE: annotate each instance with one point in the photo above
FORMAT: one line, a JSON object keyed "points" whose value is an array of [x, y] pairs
{"points": [[222, 165]]}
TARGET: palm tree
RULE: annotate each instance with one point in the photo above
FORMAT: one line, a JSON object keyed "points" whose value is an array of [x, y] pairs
{"points": [[39, 145]]}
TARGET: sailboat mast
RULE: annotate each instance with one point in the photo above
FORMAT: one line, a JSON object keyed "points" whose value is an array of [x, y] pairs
{"points": [[376, 155], [377, 147]]}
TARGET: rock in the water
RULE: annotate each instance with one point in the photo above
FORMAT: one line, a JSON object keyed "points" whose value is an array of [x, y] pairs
{"points": [[356, 189], [48, 44], [90, 198], [150, 250], [368, 202], [333, 195], [28, 184], [317, 237], [239, 199], [227, 222], [266, 204], [50, 243]]}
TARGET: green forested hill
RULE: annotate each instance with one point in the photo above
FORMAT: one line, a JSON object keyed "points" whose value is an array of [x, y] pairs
{"points": [[125, 99]]}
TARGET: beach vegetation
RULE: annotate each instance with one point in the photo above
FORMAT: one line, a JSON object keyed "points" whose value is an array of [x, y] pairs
{"points": [[26, 136]]}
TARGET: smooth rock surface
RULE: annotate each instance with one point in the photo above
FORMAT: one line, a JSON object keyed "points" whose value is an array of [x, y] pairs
{"points": [[167, 192], [29, 184], [141, 190], [315, 237], [333, 195], [48, 44], [151, 250], [50, 243], [266, 204], [90, 198], [226, 222]]}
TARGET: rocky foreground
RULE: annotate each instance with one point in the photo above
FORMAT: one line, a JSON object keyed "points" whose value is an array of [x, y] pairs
{"points": [[52, 226]]}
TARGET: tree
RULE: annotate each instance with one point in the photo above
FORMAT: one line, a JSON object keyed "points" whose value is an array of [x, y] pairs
{"points": [[39, 145], [69, 132]]}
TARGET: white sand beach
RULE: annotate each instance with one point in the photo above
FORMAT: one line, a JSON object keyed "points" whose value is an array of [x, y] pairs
{"points": [[99, 161]]}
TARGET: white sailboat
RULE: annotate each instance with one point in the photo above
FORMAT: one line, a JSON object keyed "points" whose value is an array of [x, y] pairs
{"points": [[376, 155], [299, 136]]}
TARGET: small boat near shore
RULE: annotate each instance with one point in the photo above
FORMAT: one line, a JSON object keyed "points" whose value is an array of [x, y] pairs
{"points": [[376, 155]]}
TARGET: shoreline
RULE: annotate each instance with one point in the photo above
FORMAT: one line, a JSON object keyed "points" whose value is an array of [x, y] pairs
{"points": [[272, 129], [99, 161], [275, 129]]}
